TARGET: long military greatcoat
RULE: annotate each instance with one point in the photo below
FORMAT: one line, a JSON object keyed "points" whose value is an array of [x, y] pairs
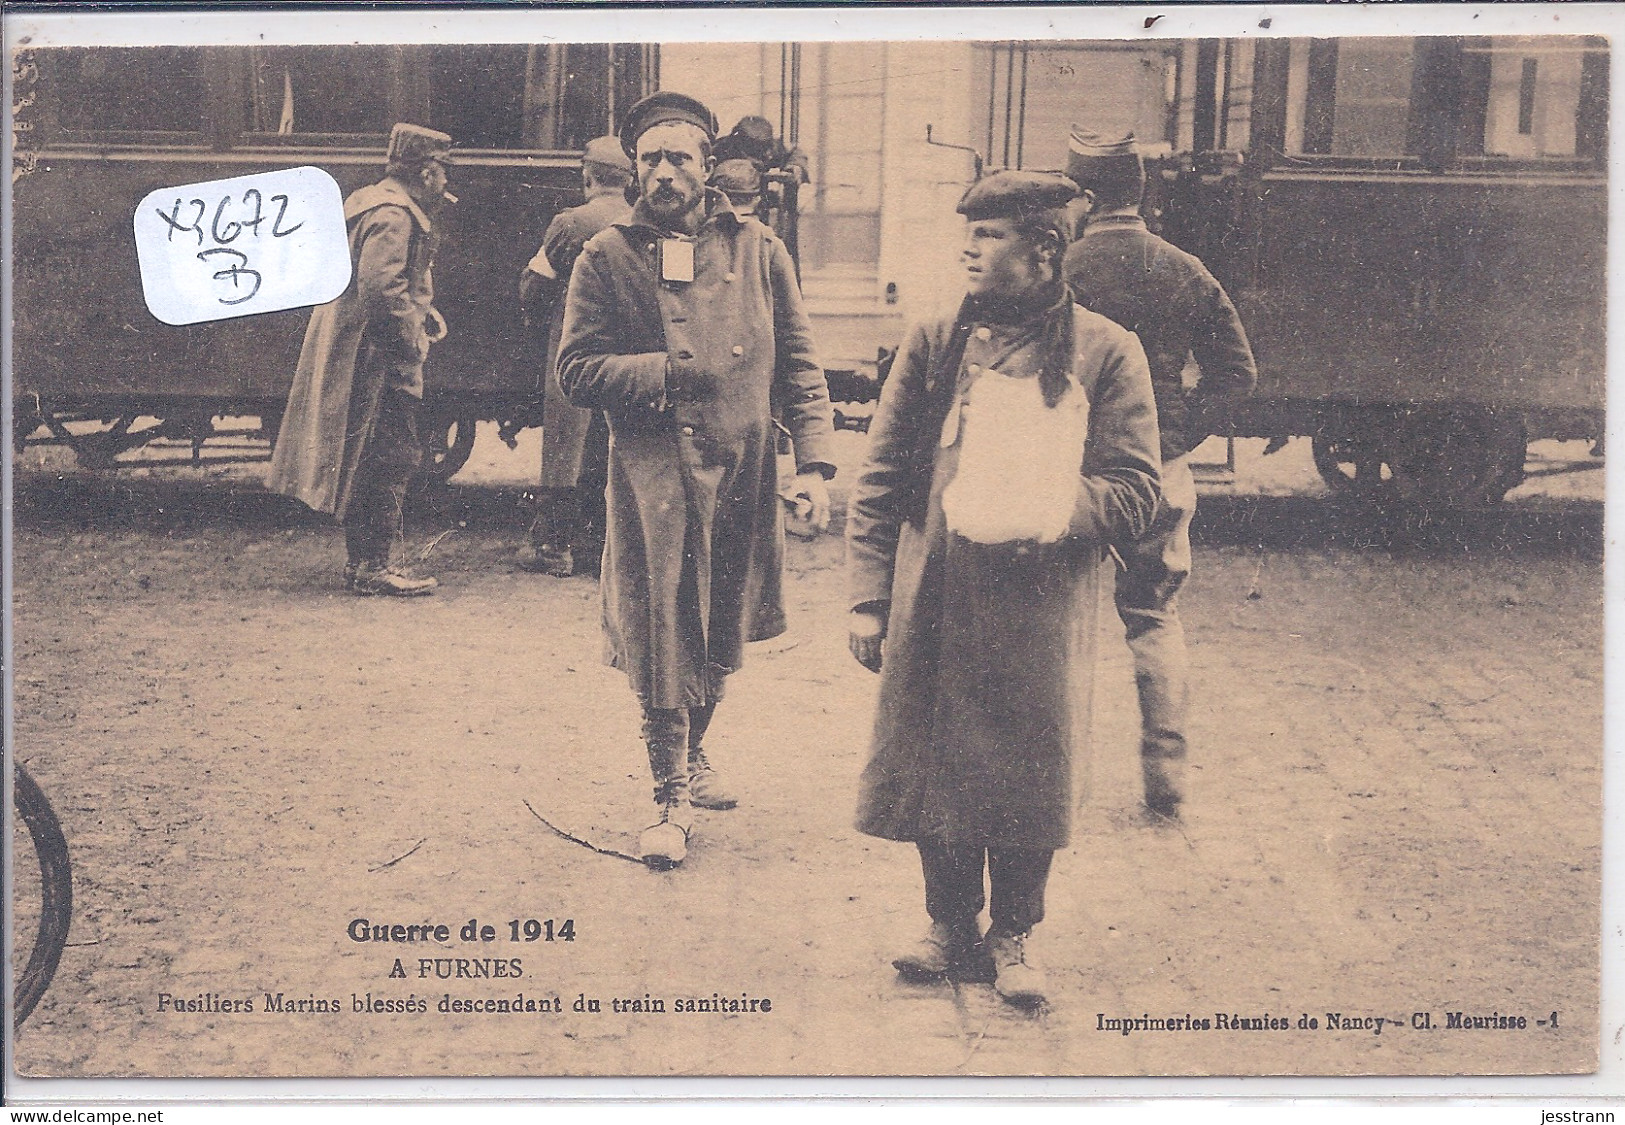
{"points": [[372, 336], [695, 544], [564, 436], [985, 689]]}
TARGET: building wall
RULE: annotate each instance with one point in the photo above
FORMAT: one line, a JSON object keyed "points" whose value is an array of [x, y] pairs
{"points": [[960, 90], [734, 79]]}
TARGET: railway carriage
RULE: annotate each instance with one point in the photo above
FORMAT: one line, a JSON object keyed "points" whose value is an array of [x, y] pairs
{"points": [[1415, 233], [102, 127], [1414, 229]]}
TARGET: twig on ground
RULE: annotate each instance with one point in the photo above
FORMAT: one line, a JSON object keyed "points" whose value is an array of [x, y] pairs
{"points": [[423, 555], [1253, 591], [589, 845], [398, 858]]}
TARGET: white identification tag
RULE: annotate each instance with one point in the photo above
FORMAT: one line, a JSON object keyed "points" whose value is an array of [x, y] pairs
{"points": [[250, 244], [676, 260]]}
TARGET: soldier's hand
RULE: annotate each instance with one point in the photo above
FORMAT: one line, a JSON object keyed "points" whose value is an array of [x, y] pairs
{"points": [[811, 498], [866, 633]]}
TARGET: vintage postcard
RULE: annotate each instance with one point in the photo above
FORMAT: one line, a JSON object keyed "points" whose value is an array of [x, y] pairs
{"points": [[419, 423]]}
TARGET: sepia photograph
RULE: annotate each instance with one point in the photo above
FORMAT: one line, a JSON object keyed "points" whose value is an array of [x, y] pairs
{"points": [[940, 543]]}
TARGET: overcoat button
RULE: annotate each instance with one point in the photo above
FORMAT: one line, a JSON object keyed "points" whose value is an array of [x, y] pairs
{"points": [[974, 369], [984, 333], [688, 431], [739, 349], [729, 276]]}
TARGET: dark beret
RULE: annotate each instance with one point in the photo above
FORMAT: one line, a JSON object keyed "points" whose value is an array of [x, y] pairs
{"points": [[752, 139], [659, 108], [1016, 195]]}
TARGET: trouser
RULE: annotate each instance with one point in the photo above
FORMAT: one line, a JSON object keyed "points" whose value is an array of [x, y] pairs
{"points": [[671, 734], [953, 883], [1155, 568], [375, 522]]}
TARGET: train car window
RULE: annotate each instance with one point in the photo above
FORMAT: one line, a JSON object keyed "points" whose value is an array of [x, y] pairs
{"points": [[1352, 97], [1236, 94], [573, 92], [1535, 97], [1104, 87], [117, 93], [339, 92], [477, 94]]}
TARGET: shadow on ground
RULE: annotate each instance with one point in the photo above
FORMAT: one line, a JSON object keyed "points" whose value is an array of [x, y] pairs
{"points": [[1538, 527]]}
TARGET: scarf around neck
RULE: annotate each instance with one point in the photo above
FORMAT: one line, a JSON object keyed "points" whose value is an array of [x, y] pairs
{"points": [[1048, 307]]}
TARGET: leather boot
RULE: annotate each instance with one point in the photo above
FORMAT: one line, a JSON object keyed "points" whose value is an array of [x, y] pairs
{"points": [[705, 786], [1015, 977], [664, 844], [945, 946]]}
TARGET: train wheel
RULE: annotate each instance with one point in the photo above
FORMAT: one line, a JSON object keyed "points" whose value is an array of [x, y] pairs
{"points": [[1459, 458], [1436, 459], [449, 443], [1352, 467]]}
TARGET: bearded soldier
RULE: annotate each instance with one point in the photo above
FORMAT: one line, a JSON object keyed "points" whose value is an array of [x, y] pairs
{"points": [[684, 324]]}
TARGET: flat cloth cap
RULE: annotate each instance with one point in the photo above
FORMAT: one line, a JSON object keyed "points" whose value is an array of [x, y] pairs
{"points": [[659, 108], [1017, 195], [608, 152], [737, 177], [413, 144], [1091, 157]]}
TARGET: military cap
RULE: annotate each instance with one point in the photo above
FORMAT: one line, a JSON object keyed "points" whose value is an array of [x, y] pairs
{"points": [[414, 145], [737, 177], [606, 151], [1092, 158], [751, 139], [1018, 194], [659, 108]]}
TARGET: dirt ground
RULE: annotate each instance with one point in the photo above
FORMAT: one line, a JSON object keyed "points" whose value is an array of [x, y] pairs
{"points": [[1396, 808]]}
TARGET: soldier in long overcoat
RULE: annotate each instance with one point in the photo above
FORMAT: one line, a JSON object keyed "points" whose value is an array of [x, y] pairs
{"points": [[569, 498], [685, 325], [1014, 442], [349, 442]]}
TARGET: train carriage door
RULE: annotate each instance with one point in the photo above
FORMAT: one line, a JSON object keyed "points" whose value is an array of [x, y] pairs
{"points": [[1342, 212]]}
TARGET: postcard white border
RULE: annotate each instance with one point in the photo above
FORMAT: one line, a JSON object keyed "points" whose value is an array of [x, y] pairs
{"points": [[987, 22]]}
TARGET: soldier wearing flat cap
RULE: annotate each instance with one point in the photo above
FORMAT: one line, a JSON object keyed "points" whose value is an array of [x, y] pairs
{"points": [[1014, 442], [684, 324], [1181, 313], [566, 536], [349, 442]]}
